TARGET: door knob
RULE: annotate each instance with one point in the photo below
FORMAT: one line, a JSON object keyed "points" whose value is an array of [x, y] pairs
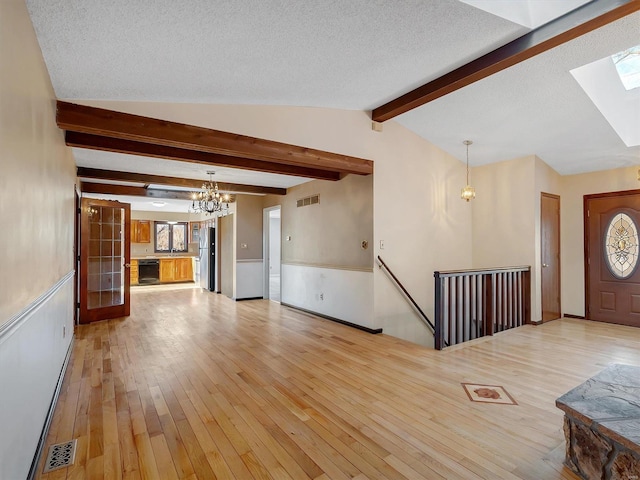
{"points": [[545, 265], [127, 265]]}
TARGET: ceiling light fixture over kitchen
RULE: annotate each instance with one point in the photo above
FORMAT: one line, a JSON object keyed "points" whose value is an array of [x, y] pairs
{"points": [[210, 200], [468, 192]]}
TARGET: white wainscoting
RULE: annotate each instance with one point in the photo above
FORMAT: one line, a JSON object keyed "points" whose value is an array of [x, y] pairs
{"points": [[249, 278], [336, 292], [33, 348]]}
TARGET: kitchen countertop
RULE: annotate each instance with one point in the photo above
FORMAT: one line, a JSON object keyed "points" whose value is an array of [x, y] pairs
{"points": [[159, 257]]}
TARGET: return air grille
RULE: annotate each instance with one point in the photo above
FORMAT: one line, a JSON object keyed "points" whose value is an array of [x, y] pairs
{"points": [[313, 199], [60, 455]]}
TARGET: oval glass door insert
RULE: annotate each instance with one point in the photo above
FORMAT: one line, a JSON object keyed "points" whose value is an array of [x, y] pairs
{"points": [[621, 245]]}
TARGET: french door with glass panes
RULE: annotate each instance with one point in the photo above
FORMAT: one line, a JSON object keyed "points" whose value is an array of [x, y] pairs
{"points": [[104, 259]]}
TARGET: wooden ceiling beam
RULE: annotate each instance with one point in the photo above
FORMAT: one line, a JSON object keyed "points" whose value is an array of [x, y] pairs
{"points": [[124, 126], [107, 189], [585, 19], [146, 179], [108, 144]]}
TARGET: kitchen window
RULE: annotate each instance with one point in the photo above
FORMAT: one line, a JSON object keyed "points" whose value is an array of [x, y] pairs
{"points": [[171, 237]]}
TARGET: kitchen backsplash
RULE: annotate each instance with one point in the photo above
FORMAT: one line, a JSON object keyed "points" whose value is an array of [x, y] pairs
{"points": [[145, 249]]}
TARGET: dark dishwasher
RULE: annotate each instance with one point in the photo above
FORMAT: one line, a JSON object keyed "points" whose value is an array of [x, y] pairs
{"points": [[148, 271]]}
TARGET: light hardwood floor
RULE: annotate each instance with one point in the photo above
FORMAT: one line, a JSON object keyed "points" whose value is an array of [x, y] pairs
{"points": [[196, 386]]}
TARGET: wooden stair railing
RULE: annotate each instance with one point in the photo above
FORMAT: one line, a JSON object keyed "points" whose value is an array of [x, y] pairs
{"points": [[421, 314], [474, 303]]}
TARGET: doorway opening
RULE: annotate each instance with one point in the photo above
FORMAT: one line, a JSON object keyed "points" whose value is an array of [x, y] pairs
{"points": [[272, 247]]}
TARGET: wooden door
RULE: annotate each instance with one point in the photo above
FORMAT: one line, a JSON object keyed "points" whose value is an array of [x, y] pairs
{"points": [[611, 251], [104, 260], [76, 257], [550, 256]]}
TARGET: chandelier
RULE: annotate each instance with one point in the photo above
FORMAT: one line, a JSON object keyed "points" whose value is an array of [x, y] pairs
{"points": [[210, 200], [468, 192]]}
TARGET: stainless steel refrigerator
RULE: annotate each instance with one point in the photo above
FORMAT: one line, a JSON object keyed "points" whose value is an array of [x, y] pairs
{"points": [[207, 258]]}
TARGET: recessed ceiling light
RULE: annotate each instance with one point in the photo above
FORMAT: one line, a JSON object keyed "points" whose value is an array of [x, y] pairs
{"points": [[158, 204], [627, 64]]}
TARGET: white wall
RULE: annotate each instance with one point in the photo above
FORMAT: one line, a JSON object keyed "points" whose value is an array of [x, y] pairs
{"points": [[36, 294], [274, 245], [249, 274], [335, 292], [32, 353]]}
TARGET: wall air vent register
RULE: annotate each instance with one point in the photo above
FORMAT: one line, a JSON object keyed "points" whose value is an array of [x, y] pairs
{"points": [[312, 200]]}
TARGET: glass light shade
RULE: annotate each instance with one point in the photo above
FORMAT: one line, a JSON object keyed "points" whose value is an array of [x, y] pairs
{"points": [[468, 193]]}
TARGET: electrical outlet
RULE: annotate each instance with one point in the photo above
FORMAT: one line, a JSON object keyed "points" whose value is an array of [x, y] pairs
{"points": [[322, 296], [381, 244]]}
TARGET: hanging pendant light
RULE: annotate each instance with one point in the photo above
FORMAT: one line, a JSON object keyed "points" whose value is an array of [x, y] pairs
{"points": [[210, 200], [468, 192]]}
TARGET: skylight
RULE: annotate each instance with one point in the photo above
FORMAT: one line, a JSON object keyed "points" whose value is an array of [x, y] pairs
{"points": [[627, 64], [619, 105], [529, 13]]}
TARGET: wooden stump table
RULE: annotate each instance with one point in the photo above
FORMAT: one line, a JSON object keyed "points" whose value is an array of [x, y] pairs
{"points": [[602, 425]]}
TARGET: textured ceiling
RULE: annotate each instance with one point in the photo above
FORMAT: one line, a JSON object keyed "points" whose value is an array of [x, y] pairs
{"points": [[354, 54], [535, 108], [173, 168], [351, 54]]}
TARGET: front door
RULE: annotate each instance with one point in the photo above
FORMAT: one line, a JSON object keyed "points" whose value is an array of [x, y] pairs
{"points": [[550, 255], [104, 260], [612, 274]]}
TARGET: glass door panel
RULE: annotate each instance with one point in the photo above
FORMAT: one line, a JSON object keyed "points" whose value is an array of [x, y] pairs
{"points": [[105, 257]]}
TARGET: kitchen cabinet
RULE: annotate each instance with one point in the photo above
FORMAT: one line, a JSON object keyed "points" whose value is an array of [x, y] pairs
{"points": [[134, 272], [176, 269], [140, 231], [167, 270], [183, 270]]}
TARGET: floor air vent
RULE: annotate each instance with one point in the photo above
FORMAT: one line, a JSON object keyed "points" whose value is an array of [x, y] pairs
{"points": [[60, 455]]}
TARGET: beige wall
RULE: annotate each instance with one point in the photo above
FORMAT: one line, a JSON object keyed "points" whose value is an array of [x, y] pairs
{"points": [[503, 214], [249, 227], [574, 187], [506, 217], [506, 220], [38, 174], [226, 259], [423, 222], [416, 186], [330, 233]]}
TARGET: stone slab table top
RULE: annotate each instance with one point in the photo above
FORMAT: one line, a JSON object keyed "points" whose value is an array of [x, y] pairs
{"points": [[608, 403]]}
